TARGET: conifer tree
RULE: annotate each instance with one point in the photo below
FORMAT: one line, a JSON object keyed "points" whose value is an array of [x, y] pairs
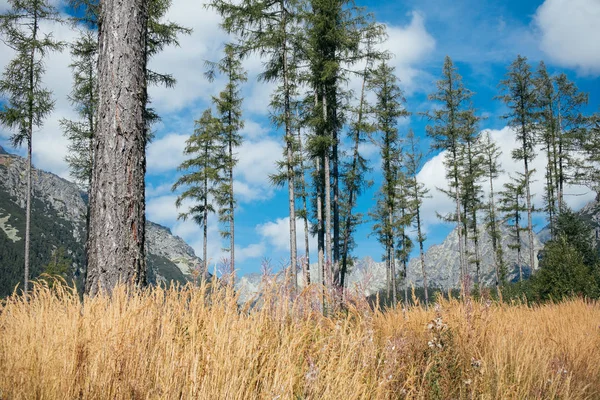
{"points": [[471, 170], [360, 128], [388, 110], [519, 94], [571, 124], [417, 192], [27, 103], [201, 175], [513, 204], [402, 224], [447, 131], [333, 33], [547, 101], [229, 112], [491, 153]]}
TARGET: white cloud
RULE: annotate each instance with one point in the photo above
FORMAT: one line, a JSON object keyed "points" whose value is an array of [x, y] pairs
{"points": [[166, 153], [409, 45], [569, 32], [277, 234], [433, 176]]}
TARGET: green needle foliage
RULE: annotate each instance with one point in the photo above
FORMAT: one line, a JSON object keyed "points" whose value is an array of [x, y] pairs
{"points": [[512, 204], [229, 113], [27, 101], [201, 177], [388, 110], [520, 96], [84, 98], [447, 127], [491, 153]]}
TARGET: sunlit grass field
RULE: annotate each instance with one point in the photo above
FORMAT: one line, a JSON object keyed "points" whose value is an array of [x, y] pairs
{"points": [[194, 342]]}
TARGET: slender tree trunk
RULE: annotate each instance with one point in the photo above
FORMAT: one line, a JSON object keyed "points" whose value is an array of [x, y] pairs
{"points": [[231, 219], [289, 139], [529, 215], [29, 154], [117, 203], [393, 274], [336, 208], [421, 249], [518, 230], [320, 227], [28, 213], [306, 266], [205, 226], [327, 194], [561, 176], [461, 249], [494, 234]]}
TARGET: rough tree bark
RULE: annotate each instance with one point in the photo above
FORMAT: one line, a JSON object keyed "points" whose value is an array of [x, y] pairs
{"points": [[117, 200]]}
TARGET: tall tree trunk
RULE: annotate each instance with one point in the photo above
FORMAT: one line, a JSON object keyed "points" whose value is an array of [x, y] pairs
{"points": [[306, 265], [494, 234], [320, 224], [29, 153], [117, 202], [231, 220], [529, 214], [204, 271], [561, 176], [421, 249], [327, 195], [28, 213], [289, 139], [336, 207], [461, 249]]}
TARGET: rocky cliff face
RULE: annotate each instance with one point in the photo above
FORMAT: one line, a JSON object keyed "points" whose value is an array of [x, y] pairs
{"points": [[442, 265], [58, 219]]}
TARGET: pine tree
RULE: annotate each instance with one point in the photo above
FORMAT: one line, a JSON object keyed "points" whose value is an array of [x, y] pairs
{"points": [[84, 98], [27, 102], [571, 125], [447, 132], [270, 29], [402, 224], [117, 200], [333, 33], [513, 205], [471, 171], [549, 138], [360, 128], [491, 153], [519, 94], [388, 110], [202, 175], [229, 112], [417, 192]]}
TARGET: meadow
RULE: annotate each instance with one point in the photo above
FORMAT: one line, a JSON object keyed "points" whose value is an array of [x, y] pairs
{"points": [[197, 342]]}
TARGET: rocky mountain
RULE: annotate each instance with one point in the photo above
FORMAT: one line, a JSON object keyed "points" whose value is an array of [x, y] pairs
{"points": [[442, 265], [58, 219]]}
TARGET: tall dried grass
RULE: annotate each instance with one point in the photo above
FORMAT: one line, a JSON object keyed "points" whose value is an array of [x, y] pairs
{"points": [[189, 343]]}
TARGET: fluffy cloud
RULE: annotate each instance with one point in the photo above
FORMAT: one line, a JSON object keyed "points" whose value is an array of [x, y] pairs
{"points": [[277, 235], [569, 31], [409, 45], [166, 153], [433, 176]]}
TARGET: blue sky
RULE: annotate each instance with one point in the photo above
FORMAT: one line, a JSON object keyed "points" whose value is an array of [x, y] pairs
{"points": [[482, 37]]}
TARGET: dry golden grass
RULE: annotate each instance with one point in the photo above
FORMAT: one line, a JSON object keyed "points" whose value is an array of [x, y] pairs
{"points": [[180, 344]]}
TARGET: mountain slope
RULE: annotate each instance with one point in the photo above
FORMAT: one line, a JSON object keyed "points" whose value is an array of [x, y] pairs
{"points": [[58, 219]]}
